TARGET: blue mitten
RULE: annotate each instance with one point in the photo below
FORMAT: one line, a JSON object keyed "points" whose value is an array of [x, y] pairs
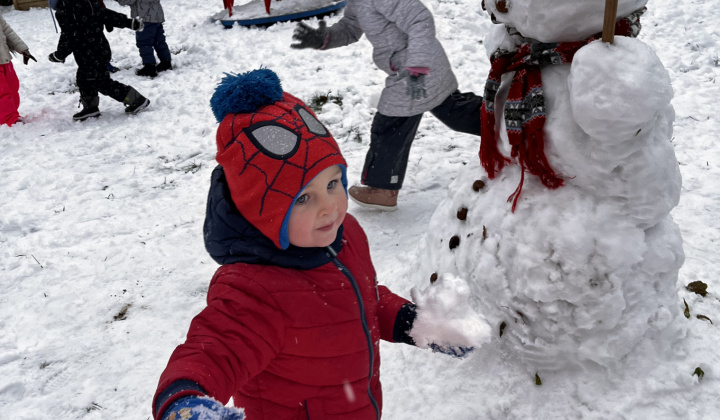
{"points": [[201, 408], [454, 351]]}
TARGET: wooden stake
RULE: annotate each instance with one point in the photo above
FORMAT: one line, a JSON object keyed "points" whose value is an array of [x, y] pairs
{"points": [[608, 34]]}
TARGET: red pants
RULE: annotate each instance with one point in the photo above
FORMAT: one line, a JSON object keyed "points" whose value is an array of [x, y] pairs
{"points": [[9, 97]]}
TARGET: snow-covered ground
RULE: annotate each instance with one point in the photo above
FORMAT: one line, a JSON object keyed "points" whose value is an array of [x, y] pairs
{"points": [[102, 263]]}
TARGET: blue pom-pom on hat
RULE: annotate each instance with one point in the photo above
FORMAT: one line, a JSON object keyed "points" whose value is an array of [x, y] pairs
{"points": [[245, 93]]}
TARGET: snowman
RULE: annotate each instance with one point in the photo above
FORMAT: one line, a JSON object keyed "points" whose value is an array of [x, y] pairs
{"points": [[561, 228]]}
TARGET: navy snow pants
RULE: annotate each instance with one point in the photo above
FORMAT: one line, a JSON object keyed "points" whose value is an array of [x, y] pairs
{"points": [[150, 40], [392, 137]]}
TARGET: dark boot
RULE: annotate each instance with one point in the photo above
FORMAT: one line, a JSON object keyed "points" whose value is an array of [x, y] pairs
{"points": [[135, 102], [90, 108], [164, 65], [148, 70]]}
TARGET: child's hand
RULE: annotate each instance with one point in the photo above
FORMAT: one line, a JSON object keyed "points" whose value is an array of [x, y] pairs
{"points": [[455, 351], [137, 24], [201, 408], [415, 82], [309, 37], [54, 58], [27, 57]]}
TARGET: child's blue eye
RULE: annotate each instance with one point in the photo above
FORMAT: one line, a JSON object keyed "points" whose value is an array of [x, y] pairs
{"points": [[302, 199], [332, 184]]}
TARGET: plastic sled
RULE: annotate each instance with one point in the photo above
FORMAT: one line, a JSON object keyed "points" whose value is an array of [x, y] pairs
{"points": [[254, 13]]}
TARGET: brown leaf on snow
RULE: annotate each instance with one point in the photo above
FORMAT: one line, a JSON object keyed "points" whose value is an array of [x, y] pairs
{"points": [[697, 287]]}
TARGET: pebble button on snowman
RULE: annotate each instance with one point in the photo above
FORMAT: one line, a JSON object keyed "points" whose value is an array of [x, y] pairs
{"points": [[562, 226]]}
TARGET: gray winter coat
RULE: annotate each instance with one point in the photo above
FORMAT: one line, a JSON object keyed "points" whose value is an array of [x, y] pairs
{"points": [[9, 41], [148, 10], [402, 33]]}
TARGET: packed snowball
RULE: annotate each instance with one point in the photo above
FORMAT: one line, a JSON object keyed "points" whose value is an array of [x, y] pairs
{"points": [[445, 316]]}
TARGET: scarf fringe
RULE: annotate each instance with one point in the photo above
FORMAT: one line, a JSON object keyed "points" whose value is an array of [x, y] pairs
{"points": [[492, 160]]}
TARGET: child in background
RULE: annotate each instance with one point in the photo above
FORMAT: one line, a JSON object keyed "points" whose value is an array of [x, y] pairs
{"points": [[402, 33], [9, 83], [294, 314], [82, 34], [152, 38]]}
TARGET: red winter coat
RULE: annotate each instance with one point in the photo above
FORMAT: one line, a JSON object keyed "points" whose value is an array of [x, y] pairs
{"points": [[290, 343]]}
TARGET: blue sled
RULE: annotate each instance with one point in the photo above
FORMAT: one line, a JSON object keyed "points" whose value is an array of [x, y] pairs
{"points": [[270, 19]]}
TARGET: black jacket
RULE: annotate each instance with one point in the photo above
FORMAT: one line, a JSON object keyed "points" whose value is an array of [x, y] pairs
{"points": [[82, 23]]}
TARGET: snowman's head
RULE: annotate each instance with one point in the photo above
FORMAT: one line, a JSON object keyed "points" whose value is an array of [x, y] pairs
{"points": [[556, 20]]}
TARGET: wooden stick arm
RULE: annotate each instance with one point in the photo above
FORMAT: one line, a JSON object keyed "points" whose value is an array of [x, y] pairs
{"points": [[608, 33]]}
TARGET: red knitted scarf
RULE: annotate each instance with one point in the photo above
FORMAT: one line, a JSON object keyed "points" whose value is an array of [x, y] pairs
{"points": [[525, 105]]}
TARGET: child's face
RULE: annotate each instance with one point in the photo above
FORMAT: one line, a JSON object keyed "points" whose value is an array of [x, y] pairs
{"points": [[319, 211]]}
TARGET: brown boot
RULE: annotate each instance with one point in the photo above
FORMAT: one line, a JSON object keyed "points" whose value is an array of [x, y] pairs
{"points": [[374, 198]]}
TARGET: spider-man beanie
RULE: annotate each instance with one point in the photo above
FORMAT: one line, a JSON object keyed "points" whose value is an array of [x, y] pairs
{"points": [[270, 146]]}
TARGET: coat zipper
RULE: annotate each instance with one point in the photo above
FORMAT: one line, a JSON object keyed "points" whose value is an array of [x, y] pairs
{"points": [[363, 320]]}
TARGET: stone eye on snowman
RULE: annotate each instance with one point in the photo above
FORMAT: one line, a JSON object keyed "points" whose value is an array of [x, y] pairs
{"points": [[567, 243]]}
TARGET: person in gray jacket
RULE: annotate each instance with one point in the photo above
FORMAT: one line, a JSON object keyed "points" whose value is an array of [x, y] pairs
{"points": [[151, 39], [419, 79]]}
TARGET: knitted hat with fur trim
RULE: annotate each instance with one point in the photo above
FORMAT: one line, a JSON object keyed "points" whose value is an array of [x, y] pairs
{"points": [[270, 145]]}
